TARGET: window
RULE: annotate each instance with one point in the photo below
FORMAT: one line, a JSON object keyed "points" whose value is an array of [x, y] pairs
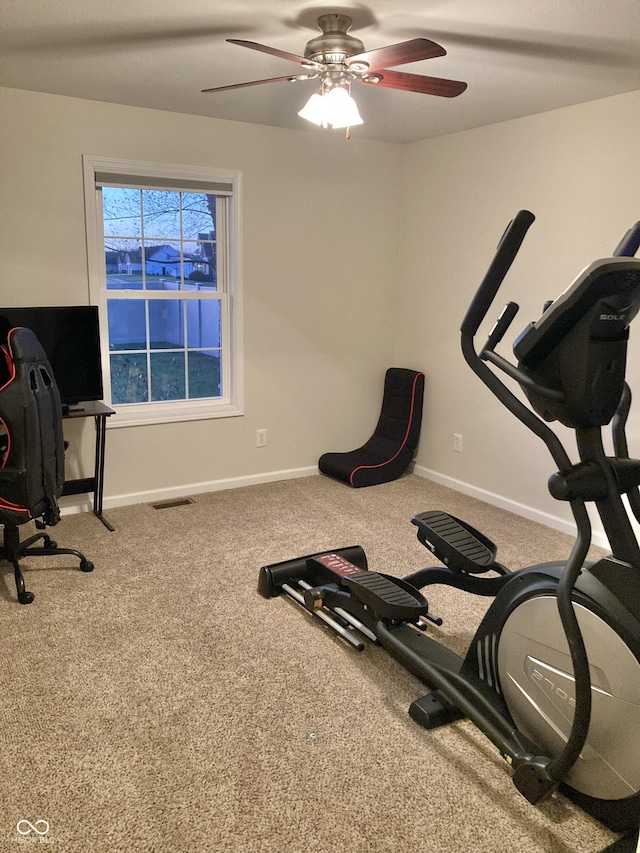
{"points": [[164, 270]]}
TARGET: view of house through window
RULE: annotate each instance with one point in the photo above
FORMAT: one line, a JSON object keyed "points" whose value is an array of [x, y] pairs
{"points": [[162, 348], [164, 280]]}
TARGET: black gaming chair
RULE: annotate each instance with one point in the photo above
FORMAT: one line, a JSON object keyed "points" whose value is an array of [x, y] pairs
{"points": [[391, 448], [31, 453]]}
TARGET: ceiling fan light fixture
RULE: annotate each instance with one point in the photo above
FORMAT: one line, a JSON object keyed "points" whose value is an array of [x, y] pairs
{"points": [[333, 108], [336, 59], [340, 108], [313, 110]]}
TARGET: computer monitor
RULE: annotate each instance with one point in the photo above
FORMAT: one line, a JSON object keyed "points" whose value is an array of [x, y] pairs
{"points": [[70, 337]]}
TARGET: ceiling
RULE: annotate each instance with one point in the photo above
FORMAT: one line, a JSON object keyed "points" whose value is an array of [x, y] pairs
{"points": [[518, 57]]}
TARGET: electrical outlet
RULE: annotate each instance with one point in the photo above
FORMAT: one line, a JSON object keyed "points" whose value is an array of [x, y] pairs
{"points": [[261, 438], [457, 442]]}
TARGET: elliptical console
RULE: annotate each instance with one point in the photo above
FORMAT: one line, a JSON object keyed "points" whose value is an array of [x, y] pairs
{"points": [[552, 676]]}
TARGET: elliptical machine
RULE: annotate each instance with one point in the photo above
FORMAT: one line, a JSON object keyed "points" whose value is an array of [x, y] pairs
{"points": [[552, 676]]}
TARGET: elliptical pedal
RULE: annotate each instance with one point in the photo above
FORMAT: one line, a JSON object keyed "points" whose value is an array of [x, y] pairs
{"points": [[455, 543], [388, 597]]}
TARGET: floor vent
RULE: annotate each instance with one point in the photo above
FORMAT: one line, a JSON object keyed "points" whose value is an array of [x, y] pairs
{"points": [[168, 504]]}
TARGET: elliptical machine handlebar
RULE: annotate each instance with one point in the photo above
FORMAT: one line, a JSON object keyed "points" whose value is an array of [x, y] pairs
{"points": [[629, 244], [506, 252]]}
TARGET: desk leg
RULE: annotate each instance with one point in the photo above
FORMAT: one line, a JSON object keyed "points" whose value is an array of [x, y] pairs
{"points": [[101, 437]]}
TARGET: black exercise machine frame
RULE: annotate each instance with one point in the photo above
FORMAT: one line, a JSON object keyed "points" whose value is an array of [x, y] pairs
{"points": [[596, 478]]}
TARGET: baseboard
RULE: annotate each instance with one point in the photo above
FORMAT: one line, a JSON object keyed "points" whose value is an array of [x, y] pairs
{"points": [[533, 514], [71, 505]]}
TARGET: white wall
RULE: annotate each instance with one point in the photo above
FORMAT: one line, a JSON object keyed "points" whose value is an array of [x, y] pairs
{"points": [[320, 278], [576, 170]]}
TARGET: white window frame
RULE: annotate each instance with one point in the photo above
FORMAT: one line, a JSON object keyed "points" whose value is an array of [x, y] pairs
{"points": [[169, 176]]}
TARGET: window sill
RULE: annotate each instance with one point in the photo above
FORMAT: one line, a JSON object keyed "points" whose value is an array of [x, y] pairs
{"points": [[128, 416]]}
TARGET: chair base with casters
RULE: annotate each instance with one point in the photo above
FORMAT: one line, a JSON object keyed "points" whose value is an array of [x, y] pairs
{"points": [[391, 448], [13, 550]]}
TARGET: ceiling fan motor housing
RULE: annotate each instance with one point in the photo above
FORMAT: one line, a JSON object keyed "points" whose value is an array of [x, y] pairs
{"points": [[334, 45]]}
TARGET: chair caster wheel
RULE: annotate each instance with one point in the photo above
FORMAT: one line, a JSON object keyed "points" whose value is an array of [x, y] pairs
{"points": [[25, 597], [86, 566]]}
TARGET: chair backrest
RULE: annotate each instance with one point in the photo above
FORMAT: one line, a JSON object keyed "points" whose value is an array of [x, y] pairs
{"points": [[31, 444], [401, 414]]}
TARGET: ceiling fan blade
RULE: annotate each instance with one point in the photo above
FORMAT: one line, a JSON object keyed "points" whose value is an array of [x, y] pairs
{"points": [[418, 83], [291, 78], [398, 54], [274, 51]]}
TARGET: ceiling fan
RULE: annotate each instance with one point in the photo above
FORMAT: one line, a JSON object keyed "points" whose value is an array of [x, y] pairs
{"points": [[336, 59]]}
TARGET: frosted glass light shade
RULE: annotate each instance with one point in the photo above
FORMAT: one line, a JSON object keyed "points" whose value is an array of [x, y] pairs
{"points": [[313, 110], [340, 108], [336, 108]]}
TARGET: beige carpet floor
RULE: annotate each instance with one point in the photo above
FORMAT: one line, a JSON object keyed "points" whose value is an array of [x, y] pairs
{"points": [[160, 704]]}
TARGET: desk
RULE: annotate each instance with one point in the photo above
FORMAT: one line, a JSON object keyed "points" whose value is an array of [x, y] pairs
{"points": [[99, 412]]}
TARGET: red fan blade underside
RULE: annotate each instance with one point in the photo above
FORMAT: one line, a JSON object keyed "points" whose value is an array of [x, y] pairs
{"points": [[419, 83], [398, 54], [290, 78], [273, 51]]}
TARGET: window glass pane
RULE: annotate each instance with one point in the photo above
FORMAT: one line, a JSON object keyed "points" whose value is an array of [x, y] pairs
{"points": [[167, 376], [198, 215], [129, 381], [200, 258], [203, 323], [161, 214], [123, 263], [121, 212], [166, 325], [162, 264], [127, 324], [204, 374]]}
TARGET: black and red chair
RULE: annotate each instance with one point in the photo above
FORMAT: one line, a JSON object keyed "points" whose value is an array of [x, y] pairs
{"points": [[31, 453], [392, 447]]}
